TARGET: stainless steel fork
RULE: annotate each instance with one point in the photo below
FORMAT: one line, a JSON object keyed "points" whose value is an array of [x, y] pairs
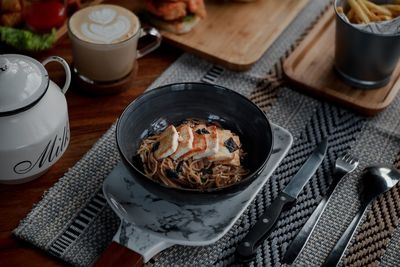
{"points": [[344, 165]]}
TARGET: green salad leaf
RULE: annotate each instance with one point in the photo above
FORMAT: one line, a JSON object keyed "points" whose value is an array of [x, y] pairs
{"points": [[26, 40], [188, 18]]}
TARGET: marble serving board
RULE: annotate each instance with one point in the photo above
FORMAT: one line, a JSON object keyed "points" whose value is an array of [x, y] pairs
{"points": [[150, 224]]}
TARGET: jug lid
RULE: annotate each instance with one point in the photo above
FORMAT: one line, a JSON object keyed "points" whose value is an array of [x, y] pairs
{"points": [[23, 82]]}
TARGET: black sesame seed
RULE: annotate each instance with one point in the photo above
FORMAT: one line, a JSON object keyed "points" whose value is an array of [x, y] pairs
{"points": [[171, 174], [202, 131], [231, 145], [179, 167], [155, 146], [207, 171]]}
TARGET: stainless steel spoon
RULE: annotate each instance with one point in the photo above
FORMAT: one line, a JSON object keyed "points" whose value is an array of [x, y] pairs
{"points": [[375, 181]]}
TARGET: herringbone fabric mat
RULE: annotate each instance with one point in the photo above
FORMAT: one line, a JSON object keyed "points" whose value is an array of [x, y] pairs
{"points": [[374, 234], [56, 225]]}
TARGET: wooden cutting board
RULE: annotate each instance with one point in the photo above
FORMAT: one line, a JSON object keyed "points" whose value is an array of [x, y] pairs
{"points": [[235, 35], [310, 67]]}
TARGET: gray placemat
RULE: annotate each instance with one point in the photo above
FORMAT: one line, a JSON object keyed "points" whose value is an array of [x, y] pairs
{"points": [[74, 223]]}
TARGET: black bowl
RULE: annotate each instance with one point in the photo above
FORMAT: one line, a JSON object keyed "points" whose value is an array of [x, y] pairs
{"points": [[172, 104]]}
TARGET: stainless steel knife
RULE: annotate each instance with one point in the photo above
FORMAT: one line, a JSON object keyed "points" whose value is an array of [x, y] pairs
{"points": [[246, 250]]}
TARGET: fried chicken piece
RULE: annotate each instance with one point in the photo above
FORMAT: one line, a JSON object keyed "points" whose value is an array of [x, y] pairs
{"points": [[167, 10], [8, 6], [175, 9], [197, 7], [11, 19]]}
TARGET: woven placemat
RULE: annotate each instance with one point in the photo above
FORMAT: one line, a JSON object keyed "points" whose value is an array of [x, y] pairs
{"points": [[374, 234], [74, 223]]}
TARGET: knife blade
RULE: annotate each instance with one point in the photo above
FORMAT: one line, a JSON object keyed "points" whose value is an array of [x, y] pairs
{"points": [[246, 249]]}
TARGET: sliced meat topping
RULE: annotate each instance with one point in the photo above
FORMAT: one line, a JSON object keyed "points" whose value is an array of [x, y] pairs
{"points": [[185, 142], [223, 152], [211, 141], [168, 143]]}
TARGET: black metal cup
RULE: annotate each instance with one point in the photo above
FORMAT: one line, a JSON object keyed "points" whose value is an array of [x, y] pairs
{"points": [[364, 59]]}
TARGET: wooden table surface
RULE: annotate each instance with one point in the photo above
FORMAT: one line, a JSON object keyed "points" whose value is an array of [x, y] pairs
{"points": [[89, 117]]}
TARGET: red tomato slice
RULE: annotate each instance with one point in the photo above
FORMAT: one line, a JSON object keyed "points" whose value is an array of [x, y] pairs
{"points": [[42, 16]]}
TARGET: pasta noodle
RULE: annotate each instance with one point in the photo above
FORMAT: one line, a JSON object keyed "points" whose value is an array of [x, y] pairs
{"points": [[188, 173]]}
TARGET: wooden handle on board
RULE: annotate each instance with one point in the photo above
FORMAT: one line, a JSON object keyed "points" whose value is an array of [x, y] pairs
{"points": [[118, 255]]}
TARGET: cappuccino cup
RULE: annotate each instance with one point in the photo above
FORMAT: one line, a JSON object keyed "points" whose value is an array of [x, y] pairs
{"points": [[104, 42]]}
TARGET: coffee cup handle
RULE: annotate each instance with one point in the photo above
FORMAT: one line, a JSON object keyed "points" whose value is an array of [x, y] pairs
{"points": [[153, 45], [66, 68]]}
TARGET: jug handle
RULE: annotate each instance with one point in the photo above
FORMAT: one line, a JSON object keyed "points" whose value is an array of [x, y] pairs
{"points": [[66, 68]]}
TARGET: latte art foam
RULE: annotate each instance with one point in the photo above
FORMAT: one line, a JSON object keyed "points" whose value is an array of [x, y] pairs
{"points": [[104, 24], [106, 33]]}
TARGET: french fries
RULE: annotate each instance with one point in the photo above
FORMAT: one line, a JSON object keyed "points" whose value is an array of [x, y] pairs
{"points": [[365, 11]]}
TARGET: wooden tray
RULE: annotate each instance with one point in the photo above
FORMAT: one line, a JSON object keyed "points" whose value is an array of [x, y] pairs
{"points": [[310, 67], [235, 35]]}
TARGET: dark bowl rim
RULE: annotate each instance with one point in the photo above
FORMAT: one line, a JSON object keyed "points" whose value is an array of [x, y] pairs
{"points": [[190, 190]]}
